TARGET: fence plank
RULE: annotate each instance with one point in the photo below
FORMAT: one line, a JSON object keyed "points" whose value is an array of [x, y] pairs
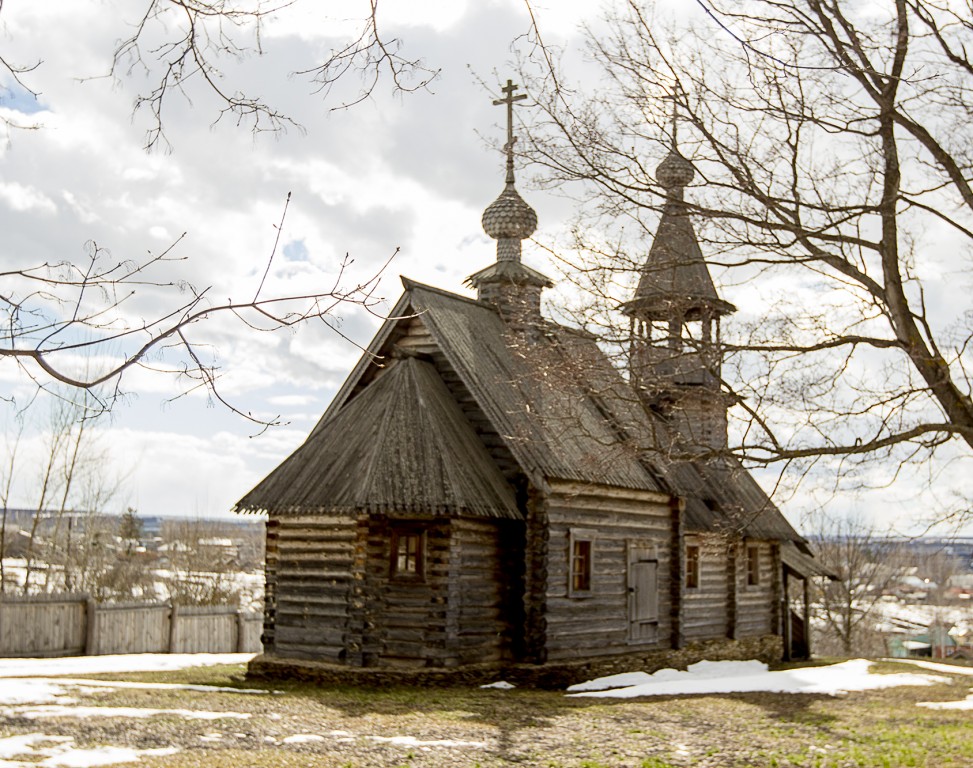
{"points": [[45, 628], [72, 625]]}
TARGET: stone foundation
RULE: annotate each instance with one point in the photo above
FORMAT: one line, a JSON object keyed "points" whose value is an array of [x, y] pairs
{"points": [[554, 675]]}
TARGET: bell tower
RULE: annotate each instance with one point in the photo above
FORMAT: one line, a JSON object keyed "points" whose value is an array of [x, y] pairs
{"points": [[675, 356]]}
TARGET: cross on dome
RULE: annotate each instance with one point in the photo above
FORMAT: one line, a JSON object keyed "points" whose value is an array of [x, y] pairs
{"points": [[675, 171], [509, 99], [508, 219]]}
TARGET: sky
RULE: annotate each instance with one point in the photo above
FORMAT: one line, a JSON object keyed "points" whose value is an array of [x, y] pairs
{"points": [[398, 174], [402, 174]]}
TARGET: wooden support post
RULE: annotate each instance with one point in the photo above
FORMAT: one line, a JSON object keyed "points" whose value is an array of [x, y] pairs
{"points": [[677, 559], [535, 580], [788, 624], [91, 627], [807, 615], [241, 632], [173, 621]]}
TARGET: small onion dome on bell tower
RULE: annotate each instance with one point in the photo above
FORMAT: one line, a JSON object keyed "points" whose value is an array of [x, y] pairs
{"points": [[674, 172]]}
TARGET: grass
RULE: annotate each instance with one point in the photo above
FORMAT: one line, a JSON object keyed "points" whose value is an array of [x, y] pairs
{"points": [[878, 729]]}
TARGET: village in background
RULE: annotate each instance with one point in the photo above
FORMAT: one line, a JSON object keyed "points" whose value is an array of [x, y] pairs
{"points": [[894, 597], [122, 558]]}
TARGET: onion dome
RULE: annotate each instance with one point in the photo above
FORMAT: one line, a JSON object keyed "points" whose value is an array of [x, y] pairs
{"points": [[675, 171], [509, 217]]}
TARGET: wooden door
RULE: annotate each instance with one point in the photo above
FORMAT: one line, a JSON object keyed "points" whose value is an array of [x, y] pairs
{"points": [[643, 594]]}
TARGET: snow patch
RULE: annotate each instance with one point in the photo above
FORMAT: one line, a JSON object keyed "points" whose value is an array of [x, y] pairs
{"points": [[14, 692], [502, 685], [91, 685], [412, 741], [951, 669], [966, 703], [751, 677], [302, 738], [135, 662], [61, 710], [83, 758], [59, 752]]}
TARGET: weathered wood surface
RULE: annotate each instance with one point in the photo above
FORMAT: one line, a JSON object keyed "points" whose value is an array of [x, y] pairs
{"points": [[214, 630], [45, 626], [706, 611], [309, 571], [479, 626], [271, 548], [132, 628], [455, 612], [756, 604], [599, 623]]}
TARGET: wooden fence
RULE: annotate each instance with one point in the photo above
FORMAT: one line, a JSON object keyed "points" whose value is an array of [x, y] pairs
{"points": [[75, 625]]}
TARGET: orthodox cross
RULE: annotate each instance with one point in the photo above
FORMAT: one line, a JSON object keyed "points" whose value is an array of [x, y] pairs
{"points": [[509, 99], [677, 91]]}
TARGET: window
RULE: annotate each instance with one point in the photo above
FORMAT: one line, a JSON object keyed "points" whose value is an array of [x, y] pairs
{"points": [[753, 566], [408, 545], [692, 566], [581, 550]]}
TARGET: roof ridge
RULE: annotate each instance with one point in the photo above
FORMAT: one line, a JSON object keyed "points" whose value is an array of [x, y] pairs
{"points": [[410, 284]]}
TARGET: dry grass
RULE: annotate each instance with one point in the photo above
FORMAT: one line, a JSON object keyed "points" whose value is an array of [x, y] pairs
{"points": [[881, 729]]}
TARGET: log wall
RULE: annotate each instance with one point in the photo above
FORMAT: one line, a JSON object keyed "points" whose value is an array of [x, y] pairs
{"points": [[404, 620], [757, 604], [706, 608], [484, 590], [598, 624], [271, 543], [309, 572]]}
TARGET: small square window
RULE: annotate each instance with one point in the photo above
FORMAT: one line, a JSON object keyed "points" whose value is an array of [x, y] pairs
{"points": [[753, 566], [408, 554], [692, 566]]}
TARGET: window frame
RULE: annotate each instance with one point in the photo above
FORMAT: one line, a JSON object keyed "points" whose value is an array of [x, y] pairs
{"points": [[577, 537], [694, 557], [399, 535]]}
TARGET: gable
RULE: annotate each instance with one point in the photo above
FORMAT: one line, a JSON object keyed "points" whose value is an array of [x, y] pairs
{"points": [[401, 446]]}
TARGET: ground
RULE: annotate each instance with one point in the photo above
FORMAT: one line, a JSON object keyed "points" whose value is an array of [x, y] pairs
{"points": [[52, 724]]}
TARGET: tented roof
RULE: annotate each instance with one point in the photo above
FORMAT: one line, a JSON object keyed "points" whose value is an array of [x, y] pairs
{"points": [[675, 275]]}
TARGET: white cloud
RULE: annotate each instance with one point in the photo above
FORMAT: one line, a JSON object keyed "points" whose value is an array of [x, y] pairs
{"points": [[23, 198]]}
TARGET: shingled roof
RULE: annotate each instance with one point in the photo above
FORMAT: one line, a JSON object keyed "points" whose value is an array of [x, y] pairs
{"points": [[541, 409], [723, 496], [720, 494], [402, 446], [675, 268]]}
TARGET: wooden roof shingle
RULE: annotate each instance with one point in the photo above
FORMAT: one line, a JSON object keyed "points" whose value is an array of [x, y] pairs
{"points": [[675, 272], [402, 446]]}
